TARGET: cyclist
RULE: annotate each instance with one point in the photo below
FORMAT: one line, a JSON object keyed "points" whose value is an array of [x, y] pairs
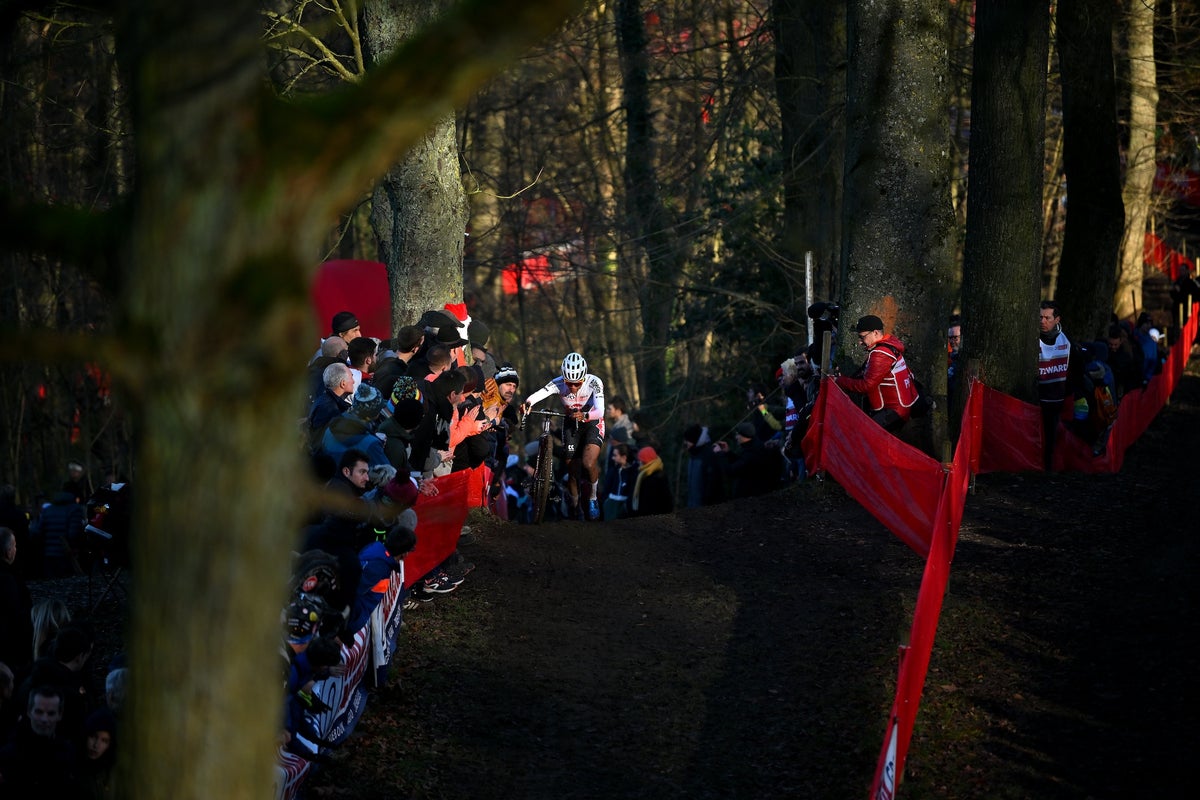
{"points": [[582, 396]]}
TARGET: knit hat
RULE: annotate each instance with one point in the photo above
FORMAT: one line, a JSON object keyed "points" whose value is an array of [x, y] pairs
{"points": [[401, 490], [408, 413], [479, 334], [405, 388], [646, 455], [367, 402], [745, 430], [342, 322], [868, 323], [102, 719], [507, 374]]}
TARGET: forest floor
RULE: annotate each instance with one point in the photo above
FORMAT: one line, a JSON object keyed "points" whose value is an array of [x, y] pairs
{"points": [[749, 650]]}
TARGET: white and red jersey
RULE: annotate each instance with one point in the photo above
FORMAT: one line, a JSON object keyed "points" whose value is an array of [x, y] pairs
{"points": [[589, 397], [1053, 361]]}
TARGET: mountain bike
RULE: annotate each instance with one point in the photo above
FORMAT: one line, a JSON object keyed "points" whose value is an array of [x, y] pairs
{"points": [[542, 480]]}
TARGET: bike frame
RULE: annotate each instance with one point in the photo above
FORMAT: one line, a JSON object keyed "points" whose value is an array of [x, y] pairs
{"points": [[543, 468]]}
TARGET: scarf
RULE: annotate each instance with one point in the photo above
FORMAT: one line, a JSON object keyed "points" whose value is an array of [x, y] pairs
{"points": [[646, 469]]}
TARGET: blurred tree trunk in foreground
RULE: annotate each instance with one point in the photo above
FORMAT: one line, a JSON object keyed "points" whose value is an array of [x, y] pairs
{"points": [[234, 192]]}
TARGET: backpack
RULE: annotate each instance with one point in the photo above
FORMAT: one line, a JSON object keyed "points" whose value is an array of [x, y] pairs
{"points": [[1106, 407]]}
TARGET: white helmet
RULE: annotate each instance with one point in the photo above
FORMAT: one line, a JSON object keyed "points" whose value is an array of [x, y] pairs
{"points": [[574, 367]]}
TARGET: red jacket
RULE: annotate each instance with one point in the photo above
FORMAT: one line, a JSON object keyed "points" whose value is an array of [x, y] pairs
{"points": [[885, 379]]}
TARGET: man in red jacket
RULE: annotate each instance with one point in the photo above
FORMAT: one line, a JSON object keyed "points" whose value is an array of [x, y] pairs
{"points": [[884, 380]]}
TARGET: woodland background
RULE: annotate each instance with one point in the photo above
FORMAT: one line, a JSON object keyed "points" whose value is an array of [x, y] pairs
{"points": [[173, 175]]}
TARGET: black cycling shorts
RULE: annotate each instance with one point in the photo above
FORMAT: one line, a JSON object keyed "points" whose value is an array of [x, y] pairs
{"points": [[576, 434]]}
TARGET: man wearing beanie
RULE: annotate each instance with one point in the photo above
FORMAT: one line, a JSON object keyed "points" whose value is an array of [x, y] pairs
{"points": [[884, 380], [355, 429], [345, 325]]}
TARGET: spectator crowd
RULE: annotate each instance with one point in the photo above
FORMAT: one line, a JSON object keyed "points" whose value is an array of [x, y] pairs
{"points": [[384, 420]]}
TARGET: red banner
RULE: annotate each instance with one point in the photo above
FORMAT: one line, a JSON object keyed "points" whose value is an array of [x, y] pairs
{"points": [[528, 273], [914, 658], [440, 519], [360, 287], [1011, 434], [894, 481]]}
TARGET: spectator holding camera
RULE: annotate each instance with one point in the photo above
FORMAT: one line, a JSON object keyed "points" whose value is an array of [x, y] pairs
{"points": [[766, 421]]}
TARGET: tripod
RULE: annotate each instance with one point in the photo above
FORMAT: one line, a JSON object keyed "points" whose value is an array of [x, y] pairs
{"points": [[111, 571]]}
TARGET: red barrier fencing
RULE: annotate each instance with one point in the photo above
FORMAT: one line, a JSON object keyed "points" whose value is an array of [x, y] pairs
{"points": [[922, 501], [440, 519]]}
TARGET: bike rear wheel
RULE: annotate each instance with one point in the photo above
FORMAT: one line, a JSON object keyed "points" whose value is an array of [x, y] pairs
{"points": [[541, 482]]}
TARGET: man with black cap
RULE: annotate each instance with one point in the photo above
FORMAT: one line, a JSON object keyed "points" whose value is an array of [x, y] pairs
{"points": [[345, 325], [884, 380]]}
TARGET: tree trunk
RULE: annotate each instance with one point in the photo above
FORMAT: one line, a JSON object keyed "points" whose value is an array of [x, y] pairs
{"points": [[419, 209], [810, 83], [1139, 156], [1091, 155], [1002, 252], [897, 215], [234, 194], [219, 398], [648, 219]]}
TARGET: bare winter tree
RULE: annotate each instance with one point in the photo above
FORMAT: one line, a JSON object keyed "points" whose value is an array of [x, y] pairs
{"points": [[810, 41]]}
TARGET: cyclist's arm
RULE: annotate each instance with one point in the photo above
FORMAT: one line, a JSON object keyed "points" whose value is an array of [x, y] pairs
{"points": [[596, 412], [541, 394]]}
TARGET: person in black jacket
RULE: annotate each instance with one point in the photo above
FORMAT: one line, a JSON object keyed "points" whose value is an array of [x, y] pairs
{"points": [[754, 468], [58, 532], [651, 492], [16, 627]]}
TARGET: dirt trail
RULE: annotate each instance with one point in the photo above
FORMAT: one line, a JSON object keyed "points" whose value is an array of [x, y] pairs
{"points": [[749, 650]]}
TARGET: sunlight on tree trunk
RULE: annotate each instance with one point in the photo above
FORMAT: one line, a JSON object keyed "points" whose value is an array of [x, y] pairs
{"points": [[419, 209], [1139, 157], [900, 232]]}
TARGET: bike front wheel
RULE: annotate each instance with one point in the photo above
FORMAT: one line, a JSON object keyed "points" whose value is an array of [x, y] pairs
{"points": [[541, 483]]}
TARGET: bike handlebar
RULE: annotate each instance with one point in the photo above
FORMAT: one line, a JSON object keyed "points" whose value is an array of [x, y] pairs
{"points": [[542, 411]]}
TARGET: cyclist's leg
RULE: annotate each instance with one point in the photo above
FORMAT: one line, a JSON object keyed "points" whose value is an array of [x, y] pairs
{"points": [[590, 468], [591, 462], [571, 442]]}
